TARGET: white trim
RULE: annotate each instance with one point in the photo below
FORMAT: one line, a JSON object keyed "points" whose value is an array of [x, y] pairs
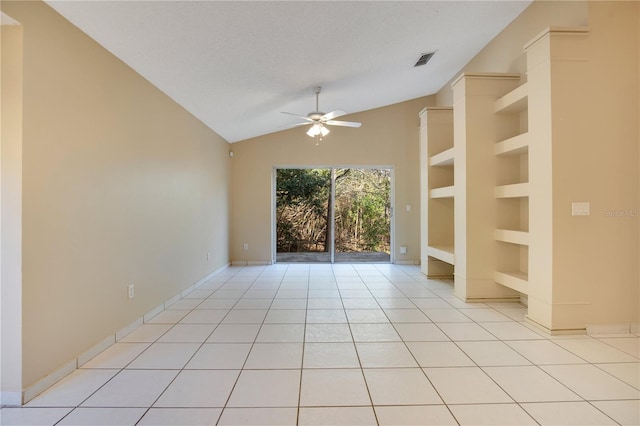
{"points": [[152, 313], [635, 327], [46, 382], [84, 357], [173, 300], [128, 329], [609, 329], [258, 262], [407, 262], [10, 399], [238, 263]]}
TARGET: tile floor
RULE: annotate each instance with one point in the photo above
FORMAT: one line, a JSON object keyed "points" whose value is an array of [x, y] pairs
{"points": [[344, 344]]}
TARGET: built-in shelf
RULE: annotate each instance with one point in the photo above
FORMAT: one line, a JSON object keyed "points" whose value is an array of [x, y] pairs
{"points": [[518, 281], [444, 192], [444, 253], [514, 101], [513, 237], [445, 158], [516, 190], [516, 145]]}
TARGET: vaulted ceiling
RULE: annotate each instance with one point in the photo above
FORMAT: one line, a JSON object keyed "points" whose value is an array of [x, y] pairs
{"points": [[236, 65]]}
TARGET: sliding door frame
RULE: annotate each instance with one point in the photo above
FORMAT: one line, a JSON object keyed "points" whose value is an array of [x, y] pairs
{"points": [[332, 200]]}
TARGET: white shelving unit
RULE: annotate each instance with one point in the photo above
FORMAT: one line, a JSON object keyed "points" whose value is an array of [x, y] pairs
{"points": [[512, 190], [437, 192]]}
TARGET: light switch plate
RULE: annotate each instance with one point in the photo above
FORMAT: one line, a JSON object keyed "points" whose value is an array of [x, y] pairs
{"points": [[581, 208]]}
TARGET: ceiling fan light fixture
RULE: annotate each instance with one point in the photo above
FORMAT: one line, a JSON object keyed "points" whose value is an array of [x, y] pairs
{"points": [[317, 129]]}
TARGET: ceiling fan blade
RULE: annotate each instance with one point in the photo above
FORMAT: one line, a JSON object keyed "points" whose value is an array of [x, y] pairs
{"points": [[331, 115], [297, 115], [291, 126], [343, 123]]}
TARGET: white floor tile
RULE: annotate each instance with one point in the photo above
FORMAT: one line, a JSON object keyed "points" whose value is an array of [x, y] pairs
{"points": [[198, 294], [465, 331], [73, 389], [132, 388], [289, 303], [355, 294], [491, 414], [245, 316], [414, 415], [385, 354], [431, 303], [199, 388], [567, 413], [595, 351], [466, 385], [628, 345], [406, 316], [374, 333], [146, 333], [266, 388], [543, 352], [360, 303], [333, 388], [330, 355], [396, 303], [180, 417], [291, 294], [219, 356], [326, 316], [286, 316], [169, 316], [235, 333], [185, 304], [366, 316], [259, 416], [510, 330], [319, 304], [626, 413], [627, 372], [246, 303], [275, 356], [530, 384], [103, 416], [117, 355], [439, 354], [424, 332], [591, 383], [204, 316], [217, 304], [281, 333], [328, 333], [32, 416], [485, 315], [165, 356], [188, 333], [446, 315], [347, 416], [492, 354], [402, 386]]}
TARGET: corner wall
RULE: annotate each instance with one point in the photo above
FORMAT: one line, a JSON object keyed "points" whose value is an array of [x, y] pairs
{"points": [[388, 136], [120, 186]]}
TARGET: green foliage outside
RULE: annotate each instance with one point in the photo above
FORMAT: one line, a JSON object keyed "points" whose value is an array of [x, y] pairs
{"points": [[362, 210]]}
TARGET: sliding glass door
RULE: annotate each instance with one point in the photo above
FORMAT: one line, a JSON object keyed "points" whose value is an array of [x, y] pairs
{"points": [[333, 215]]}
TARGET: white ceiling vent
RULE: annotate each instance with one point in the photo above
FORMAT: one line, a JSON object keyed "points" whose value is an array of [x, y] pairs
{"points": [[424, 58]]}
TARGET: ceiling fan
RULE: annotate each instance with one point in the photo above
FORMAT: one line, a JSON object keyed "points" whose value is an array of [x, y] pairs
{"points": [[319, 120]]}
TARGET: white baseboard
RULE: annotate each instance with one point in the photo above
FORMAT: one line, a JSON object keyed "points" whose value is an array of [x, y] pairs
{"points": [[251, 262], [46, 382], [16, 399], [407, 262], [84, 357], [635, 327], [610, 329], [10, 399]]}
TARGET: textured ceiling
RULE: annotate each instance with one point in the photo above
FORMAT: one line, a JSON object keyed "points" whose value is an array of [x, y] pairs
{"points": [[237, 64]]}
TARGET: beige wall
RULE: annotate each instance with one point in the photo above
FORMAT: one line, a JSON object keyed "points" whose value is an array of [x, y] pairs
{"points": [[120, 186], [505, 52], [388, 136], [11, 215]]}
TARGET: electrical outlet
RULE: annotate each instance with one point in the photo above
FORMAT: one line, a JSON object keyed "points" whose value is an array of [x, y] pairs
{"points": [[131, 291], [208, 256], [245, 247], [403, 250]]}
